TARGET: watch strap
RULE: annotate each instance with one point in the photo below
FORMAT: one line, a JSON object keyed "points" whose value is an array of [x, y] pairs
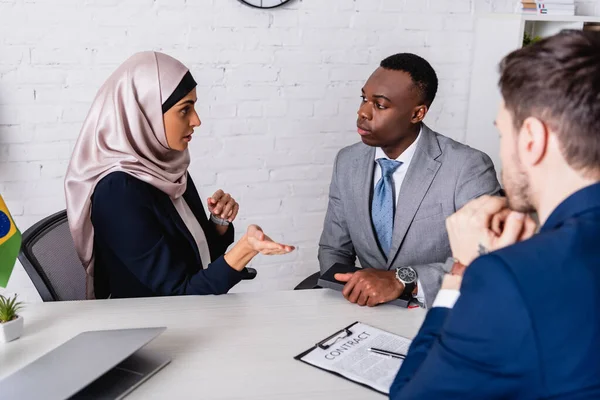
{"points": [[219, 221], [409, 288]]}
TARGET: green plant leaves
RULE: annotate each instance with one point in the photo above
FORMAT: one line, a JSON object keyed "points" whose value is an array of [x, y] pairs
{"points": [[9, 307]]}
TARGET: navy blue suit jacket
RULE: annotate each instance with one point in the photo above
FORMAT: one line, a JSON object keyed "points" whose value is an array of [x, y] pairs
{"points": [[527, 323], [142, 247]]}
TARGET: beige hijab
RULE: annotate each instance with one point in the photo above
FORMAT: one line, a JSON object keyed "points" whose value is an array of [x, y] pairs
{"points": [[124, 131]]}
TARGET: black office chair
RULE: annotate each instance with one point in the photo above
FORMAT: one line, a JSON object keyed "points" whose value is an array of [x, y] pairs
{"points": [[49, 257]]}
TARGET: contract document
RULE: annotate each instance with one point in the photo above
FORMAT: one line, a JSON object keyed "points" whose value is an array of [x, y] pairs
{"points": [[347, 353]]}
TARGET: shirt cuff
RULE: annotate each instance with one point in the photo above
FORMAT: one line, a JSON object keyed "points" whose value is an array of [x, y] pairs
{"points": [[446, 298], [420, 296]]}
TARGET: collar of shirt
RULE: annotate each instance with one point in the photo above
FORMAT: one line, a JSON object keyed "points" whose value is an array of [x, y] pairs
{"points": [[406, 157]]}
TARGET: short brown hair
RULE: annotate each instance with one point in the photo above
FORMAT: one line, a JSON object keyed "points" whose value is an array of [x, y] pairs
{"points": [[558, 81]]}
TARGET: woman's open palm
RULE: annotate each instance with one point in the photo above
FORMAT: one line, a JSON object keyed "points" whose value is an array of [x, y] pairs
{"points": [[264, 244]]}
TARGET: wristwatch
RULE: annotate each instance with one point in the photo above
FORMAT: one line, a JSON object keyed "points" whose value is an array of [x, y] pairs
{"points": [[219, 221], [408, 277]]}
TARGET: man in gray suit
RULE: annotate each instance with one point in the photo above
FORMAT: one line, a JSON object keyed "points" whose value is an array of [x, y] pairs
{"points": [[391, 194]]}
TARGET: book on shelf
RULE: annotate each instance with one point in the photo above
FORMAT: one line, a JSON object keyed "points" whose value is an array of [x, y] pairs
{"points": [[556, 12], [548, 7], [553, 2]]}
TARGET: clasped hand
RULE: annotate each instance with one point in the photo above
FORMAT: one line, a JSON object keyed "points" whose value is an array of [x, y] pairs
{"points": [[484, 225]]}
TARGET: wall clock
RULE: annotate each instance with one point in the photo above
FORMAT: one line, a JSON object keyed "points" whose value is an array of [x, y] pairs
{"points": [[265, 3]]}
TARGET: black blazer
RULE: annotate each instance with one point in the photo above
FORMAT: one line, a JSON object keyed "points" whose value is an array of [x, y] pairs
{"points": [[142, 247]]}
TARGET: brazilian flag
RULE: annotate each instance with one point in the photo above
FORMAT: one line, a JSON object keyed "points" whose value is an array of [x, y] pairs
{"points": [[10, 244]]}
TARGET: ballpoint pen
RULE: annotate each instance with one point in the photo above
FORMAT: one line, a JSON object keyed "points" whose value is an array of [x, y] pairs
{"points": [[387, 353]]}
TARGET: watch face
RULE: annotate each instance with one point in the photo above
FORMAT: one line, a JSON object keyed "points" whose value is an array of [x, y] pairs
{"points": [[265, 3], [407, 275]]}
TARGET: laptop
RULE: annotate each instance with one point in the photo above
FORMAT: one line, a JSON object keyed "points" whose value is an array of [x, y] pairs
{"points": [[106, 364]]}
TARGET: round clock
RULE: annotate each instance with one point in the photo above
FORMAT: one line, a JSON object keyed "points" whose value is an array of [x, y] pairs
{"points": [[265, 3]]}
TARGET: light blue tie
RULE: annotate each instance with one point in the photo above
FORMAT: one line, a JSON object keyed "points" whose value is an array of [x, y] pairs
{"points": [[382, 209]]}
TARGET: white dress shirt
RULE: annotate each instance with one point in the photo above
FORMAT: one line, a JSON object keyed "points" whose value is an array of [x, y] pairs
{"points": [[446, 298], [190, 221], [405, 158], [398, 177]]}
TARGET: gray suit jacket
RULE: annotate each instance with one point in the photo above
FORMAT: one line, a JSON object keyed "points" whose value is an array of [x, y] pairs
{"points": [[443, 175]]}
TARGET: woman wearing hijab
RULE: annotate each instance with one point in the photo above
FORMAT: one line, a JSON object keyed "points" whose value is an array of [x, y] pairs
{"points": [[137, 220]]}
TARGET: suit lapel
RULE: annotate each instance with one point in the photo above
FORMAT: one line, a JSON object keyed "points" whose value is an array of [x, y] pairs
{"points": [[176, 218], [362, 194], [421, 172], [192, 198]]}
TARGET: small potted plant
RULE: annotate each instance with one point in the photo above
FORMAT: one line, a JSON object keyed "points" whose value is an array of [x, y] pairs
{"points": [[11, 323]]}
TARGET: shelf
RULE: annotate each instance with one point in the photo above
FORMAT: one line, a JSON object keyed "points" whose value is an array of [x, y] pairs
{"points": [[496, 35], [560, 18]]}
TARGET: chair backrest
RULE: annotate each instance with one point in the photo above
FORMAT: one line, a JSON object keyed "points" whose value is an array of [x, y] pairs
{"points": [[49, 257]]}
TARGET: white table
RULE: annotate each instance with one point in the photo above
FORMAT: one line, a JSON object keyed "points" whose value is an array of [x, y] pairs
{"points": [[236, 346]]}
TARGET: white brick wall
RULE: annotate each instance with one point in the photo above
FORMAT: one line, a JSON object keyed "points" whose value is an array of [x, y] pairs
{"points": [[278, 92]]}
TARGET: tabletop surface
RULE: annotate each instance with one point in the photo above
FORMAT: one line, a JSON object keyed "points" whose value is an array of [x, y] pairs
{"points": [[235, 346]]}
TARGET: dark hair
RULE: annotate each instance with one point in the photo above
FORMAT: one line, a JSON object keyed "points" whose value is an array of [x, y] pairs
{"points": [[420, 71], [558, 81]]}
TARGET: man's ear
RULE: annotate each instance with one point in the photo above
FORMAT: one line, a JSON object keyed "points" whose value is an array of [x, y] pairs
{"points": [[419, 114], [533, 141]]}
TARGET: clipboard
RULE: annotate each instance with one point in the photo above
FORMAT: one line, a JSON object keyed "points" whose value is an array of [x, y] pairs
{"points": [[339, 336], [327, 280], [304, 353]]}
